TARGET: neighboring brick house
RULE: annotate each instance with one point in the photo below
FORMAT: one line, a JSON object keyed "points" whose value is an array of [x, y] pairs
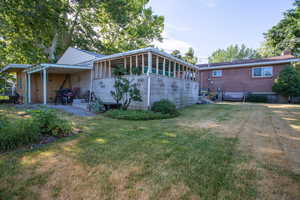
{"points": [[234, 80]]}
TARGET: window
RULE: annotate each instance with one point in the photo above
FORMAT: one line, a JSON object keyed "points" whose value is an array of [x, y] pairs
{"points": [[217, 73], [259, 72]]}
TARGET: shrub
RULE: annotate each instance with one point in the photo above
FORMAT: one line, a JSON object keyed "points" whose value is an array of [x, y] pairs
{"points": [[137, 115], [17, 133], [97, 106], [165, 107], [49, 123], [257, 98]]}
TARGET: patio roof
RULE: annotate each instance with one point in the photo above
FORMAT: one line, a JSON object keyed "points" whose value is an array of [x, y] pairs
{"points": [[59, 68], [145, 50], [14, 67]]}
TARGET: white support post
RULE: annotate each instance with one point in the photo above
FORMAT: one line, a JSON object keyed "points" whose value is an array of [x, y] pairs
{"points": [[100, 70], [157, 64], [174, 69], [29, 88], [91, 85], [169, 67], [143, 63], [45, 86], [164, 67], [149, 79], [130, 69], [136, 61], [149, 63], [109, 69], [125, 62], [104, 69]]}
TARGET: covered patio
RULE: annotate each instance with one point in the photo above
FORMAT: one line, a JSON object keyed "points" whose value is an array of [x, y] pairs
{"points": [[44, 80], [146, 61]]}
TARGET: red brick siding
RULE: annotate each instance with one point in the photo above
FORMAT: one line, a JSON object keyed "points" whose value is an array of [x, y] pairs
{"points": [[238, 80]]}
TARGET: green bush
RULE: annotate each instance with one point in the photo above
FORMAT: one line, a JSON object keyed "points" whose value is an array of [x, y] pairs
{"points": [[137, 115], [257, 98], [17, 133], [165, 107], [49, 123], [97, 106]]}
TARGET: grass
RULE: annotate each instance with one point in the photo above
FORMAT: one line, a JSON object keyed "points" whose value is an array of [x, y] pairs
{"points": [[119, 159], [138, 115]]}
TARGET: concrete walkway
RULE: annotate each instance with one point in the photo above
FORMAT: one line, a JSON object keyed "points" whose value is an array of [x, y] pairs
{"points": [[72, 110]]}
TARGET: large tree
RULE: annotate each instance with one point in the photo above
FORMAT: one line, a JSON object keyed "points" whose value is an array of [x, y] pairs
{"points": [[285, 35], [288, 82], [190, 56], [233, 52], [33, 31]]}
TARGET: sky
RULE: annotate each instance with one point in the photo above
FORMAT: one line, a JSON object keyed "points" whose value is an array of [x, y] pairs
{"points": [[207, 25]]}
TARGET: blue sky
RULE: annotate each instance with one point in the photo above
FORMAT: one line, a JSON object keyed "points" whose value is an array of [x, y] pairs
{"points": [[207, 25]]}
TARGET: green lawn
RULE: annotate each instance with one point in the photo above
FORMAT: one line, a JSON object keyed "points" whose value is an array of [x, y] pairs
{"points": [[181, 158]]}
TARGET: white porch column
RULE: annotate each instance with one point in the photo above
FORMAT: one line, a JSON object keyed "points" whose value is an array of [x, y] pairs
{"points": [[149, 63], [174, 69], [130, 66], [169, 67], [136, 61], [149, 79], [109, 68], [105, 70], [164, 67], [157, 64], [29, 87], [45, 86], [143, 63], [125, 63]]}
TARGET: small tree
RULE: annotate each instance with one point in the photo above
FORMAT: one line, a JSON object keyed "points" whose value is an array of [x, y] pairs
{"points": [[125, 91], [288, 82]]}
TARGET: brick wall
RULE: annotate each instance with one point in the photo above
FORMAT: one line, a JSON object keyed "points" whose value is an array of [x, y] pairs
{"points": [[239, 80]]}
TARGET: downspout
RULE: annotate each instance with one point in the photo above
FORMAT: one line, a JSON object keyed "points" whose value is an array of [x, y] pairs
{"points": [[149, 79]]}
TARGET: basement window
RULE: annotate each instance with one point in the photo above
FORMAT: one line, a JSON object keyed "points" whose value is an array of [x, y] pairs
{"points": [[217, 73], [261, 72]]}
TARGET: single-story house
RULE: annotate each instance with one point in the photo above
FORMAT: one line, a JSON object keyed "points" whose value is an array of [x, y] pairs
{"points": [[235, 80], [163, 76]]}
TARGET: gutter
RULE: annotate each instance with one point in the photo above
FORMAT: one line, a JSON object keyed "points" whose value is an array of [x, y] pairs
{"points": [[250, 64]]}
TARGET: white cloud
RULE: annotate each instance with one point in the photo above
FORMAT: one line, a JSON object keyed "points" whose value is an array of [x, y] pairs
{"points": [[169, 44], [179, 28], [209, 3]]}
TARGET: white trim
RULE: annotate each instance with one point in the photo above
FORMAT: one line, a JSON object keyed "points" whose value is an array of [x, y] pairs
{"points": [[145, 50], [250, 64], [262, 76], [47, 65], [14, 66]]}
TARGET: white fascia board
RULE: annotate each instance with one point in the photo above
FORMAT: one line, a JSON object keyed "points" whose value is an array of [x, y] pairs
{"points": [[251, 64], [145, 50], [46, 65], [16, 66]]}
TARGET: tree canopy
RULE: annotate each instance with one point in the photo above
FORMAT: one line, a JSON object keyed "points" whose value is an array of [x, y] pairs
{"points": [[33, 31], [189, 56], [285, 35], [233, 52], [288, 82]]}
